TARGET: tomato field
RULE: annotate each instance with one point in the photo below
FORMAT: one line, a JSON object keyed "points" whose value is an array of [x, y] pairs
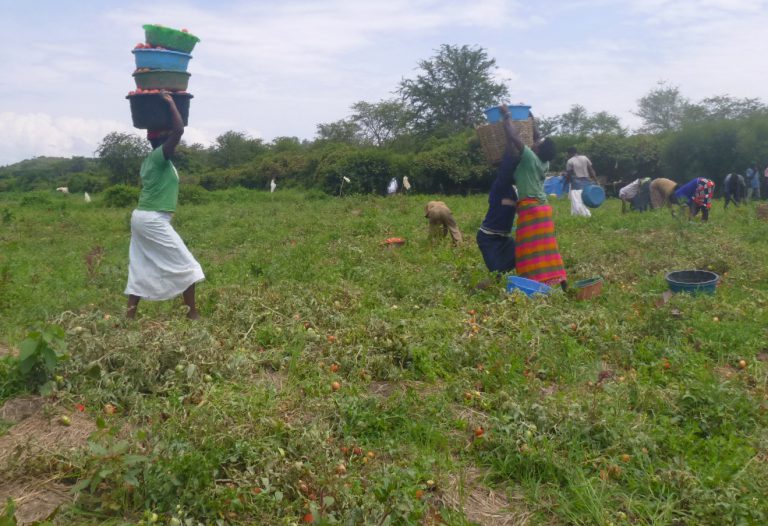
{"points": [[337, 379]]}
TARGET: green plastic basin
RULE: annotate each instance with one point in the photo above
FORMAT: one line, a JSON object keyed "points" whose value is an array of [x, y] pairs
{"points": [[168, 38], [162, 79]]}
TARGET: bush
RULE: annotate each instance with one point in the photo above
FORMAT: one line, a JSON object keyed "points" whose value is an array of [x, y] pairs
{"points": [[369, 170], [192, 194], [120, 196], [454, 165]]}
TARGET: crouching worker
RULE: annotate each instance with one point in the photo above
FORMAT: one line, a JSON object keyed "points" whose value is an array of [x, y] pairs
{"points": [[735, 189], [441, 221], [697, 194], [661, 190], [637, 195], [160, 265]]}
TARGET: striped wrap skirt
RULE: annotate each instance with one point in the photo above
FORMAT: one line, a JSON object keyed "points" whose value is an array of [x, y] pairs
{"points": [[536, 253]]}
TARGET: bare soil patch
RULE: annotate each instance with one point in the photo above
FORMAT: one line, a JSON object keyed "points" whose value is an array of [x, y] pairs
{"points": [[37, 432], [482, 505]]}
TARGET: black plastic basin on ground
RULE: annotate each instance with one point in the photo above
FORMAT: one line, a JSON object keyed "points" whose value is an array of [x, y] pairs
{"points": [[693, 281], [150, 112]]}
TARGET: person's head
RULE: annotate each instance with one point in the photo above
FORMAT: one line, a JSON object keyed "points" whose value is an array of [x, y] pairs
{"points": [[157, 137], [572, 151], [545, 149]]}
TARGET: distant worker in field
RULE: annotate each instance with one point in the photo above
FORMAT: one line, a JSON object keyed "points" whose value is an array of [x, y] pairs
{"points": [[735, 189], [537, 255], [579, 173], [406, 185], [392, 187], [441, 221], [636, 194], [272, 186], [160, 266], [697, 194], [753, 182], [661, 190]]}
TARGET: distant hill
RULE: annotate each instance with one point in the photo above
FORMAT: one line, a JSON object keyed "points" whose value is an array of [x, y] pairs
{"points": [[43, 173]]}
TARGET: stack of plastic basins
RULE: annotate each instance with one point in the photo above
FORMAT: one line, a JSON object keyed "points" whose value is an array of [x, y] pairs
{"points": [[161, 65]]}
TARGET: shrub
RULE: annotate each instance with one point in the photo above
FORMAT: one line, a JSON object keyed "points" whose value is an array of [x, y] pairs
{"points": [[369, 170], [192, 194], [120, 196]]}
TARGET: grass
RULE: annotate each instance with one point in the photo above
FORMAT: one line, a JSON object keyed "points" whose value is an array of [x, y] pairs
{"points": [[619, 410]]}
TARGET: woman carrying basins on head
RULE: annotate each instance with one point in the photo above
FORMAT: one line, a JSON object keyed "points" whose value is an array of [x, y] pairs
{"points": [[160, 266], [537, 255]]}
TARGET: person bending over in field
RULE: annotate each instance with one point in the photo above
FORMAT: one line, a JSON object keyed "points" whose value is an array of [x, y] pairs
{"points": [[697, 194], [636, 194], [661, 190], [537, 255], [735, 189], [441, 221], [160, 265], [494, 238]]}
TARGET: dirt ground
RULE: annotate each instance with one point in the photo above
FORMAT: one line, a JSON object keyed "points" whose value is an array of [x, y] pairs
{"points": [[36, 434]]}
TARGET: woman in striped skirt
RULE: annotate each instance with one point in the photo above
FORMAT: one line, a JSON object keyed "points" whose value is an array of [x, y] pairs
{"points": [[537, 256]]}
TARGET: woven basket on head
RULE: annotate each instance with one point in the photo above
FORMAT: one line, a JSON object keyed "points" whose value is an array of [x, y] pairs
{"points": [[494, 142], [762, 211]]}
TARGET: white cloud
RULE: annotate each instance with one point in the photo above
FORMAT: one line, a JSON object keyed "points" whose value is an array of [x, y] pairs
{"points": [[25, 135], [272, 68]]}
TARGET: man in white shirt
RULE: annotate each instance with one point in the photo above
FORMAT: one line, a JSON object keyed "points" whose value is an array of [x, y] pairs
{"points": [[579, 169], [579, 173]]}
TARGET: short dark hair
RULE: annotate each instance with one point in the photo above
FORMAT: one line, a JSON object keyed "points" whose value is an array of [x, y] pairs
{"points": [[547, 150], [572, 150]]}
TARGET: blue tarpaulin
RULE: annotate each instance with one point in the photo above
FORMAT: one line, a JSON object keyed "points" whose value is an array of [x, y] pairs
{"points": [[555, 185]]}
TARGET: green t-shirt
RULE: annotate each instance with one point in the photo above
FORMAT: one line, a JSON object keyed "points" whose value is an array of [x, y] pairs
{"points": [[529, 176], [159, 183]]}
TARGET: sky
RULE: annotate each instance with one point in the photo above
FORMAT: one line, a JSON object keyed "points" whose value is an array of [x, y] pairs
{"points": [[279, 68]]}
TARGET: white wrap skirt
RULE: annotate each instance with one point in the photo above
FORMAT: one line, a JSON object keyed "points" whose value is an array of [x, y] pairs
{"points": [[160, 266]]}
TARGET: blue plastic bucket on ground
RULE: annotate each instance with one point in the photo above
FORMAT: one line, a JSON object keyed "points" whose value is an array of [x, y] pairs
{"points": [[161, 59], [518, 112], [593, 196], [529, 286], [692, 281]]}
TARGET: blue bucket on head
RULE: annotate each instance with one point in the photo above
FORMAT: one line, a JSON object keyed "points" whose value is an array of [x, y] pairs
{"points": [[519, 112], [692, 281], [593, 196], [529, 286], [161, 59]]}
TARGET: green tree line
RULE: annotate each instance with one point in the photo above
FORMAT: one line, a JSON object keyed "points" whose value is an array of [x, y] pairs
{"points": [[426, 132]]}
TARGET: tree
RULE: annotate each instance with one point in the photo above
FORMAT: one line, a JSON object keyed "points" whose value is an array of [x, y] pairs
{"points": [[382, 122], [724, 107], [602, 123], [344, 130], [452, 90], [662, 109], [574, 121], [234, 148], [122, 154], [578, 121]]}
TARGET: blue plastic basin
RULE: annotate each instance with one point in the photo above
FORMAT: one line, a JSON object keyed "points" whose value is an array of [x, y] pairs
{"points": [[161, 59], [593, 196], [529, 286], [692, 281], [518, 113]]}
